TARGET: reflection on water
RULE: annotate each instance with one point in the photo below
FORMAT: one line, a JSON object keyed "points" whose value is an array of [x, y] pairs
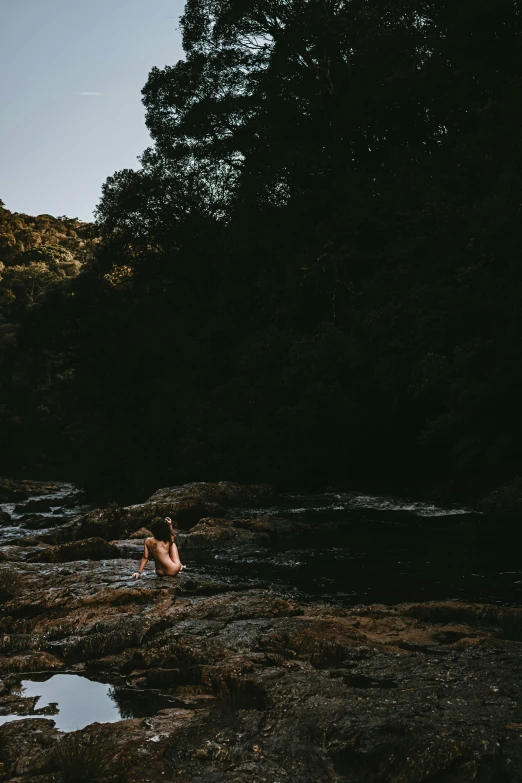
{"points": [[79, 701], [75, 702]]}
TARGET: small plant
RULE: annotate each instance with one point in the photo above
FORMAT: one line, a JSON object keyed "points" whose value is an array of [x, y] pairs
{"points": [[80, 759]]}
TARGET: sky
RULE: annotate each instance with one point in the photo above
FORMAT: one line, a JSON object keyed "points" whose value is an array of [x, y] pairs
{"points": [[70, 95]]}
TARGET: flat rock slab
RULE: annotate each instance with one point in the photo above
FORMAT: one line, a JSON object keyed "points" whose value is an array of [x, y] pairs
{"points": [[263, 689], [266, 688], [88, 549]]}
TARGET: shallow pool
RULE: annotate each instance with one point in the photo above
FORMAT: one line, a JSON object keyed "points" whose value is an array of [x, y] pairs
{"points": [[74, 702]]}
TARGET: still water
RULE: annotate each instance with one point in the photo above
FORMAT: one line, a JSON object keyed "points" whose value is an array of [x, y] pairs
{"points": [[362, 549], [74, 702]]}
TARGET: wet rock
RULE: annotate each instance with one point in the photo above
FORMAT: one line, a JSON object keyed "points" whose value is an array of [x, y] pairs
{"points": [[62, 533], [142, 533], [88, 549], [5, 519], [263, 688], [504, 499], [13, 490], [33, 661], [185, 505], [12, 553], [504, 621], [73, 499], [35, 521], [211, 533], [130, 548], [39, 504], [226, 493], [269, 688], [115, 523], [27, 748]]}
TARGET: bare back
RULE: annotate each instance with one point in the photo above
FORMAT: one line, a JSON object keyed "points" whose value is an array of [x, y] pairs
{"points": [[165, 556]]}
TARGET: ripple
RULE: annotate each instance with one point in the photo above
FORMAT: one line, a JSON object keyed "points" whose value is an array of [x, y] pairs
{"points": [[350, 501]]}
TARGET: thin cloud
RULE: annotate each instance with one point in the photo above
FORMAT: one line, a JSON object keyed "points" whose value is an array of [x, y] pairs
{"points": [[90, 93]]}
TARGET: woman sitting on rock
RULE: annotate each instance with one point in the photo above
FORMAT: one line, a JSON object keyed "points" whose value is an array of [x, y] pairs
{"points": [[162, 549]]}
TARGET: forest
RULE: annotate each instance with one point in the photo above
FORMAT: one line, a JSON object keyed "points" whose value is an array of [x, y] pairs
{"points": [[313, 277]]}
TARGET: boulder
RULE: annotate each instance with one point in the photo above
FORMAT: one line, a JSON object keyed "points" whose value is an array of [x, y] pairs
{"points": [[265, 688], [141, 533], [37, 521], [185, 505], [505, 499], [5, 519], [27, 748], [226, 493], [112, 523], [39, 504], [88, 549], [259, 686], [215, 533]]}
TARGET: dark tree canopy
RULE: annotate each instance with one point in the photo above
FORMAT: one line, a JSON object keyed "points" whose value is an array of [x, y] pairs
{"points": [[314, 275]]}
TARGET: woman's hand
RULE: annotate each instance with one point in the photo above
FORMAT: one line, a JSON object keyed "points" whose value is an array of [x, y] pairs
{"points": [[136, 575]]}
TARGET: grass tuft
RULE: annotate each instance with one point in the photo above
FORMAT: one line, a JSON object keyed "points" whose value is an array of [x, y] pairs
{"points": [[79, 759]]}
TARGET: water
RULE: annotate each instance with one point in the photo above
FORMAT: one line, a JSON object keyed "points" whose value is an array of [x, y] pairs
{"points": [[74, 702], [363, 549], [358, 549], [59, 507]]}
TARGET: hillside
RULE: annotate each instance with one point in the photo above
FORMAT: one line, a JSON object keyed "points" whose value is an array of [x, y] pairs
{"points": [[39, 256], [36, 253], [312, 279]]}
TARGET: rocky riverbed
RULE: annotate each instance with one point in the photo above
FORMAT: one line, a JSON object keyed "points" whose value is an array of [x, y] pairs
{"points": [[246, 681]]}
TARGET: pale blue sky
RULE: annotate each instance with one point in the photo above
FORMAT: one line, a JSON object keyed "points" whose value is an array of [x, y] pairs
{"points": [[57, 145]]}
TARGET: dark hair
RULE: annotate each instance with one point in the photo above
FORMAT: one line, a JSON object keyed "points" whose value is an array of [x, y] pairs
{"points": [[160, 529]]}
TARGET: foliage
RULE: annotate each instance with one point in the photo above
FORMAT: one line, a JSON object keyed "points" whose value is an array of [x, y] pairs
{"points": [[313, 276], [35, 255]]}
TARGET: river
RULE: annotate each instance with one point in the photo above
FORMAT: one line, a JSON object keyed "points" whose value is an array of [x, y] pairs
{"points": [[360, 549]]}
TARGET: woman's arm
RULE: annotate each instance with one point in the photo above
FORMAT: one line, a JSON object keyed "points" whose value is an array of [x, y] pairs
{"points": [[174, 555], [143, 562]]}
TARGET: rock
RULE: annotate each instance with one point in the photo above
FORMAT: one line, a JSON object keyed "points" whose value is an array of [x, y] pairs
{"points": [[262, 687], [211, 533], [36, 521], [87, 549], [267, 687], [506, 619], [141, 533], [226, 493], [12, 490], [62, 533], [5, 519], [27, 748], [73, 499], [185, 505], [505, 499], [112, 523], [12, 553], [130, 548], [40, 504]]}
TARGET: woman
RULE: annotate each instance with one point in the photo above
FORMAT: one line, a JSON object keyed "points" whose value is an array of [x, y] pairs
{"points": [[162, 549]]}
